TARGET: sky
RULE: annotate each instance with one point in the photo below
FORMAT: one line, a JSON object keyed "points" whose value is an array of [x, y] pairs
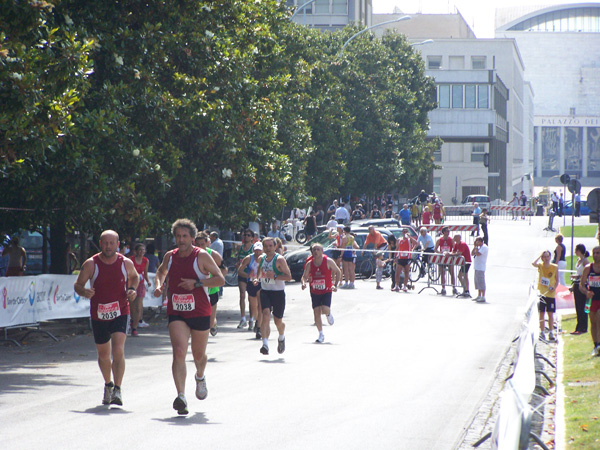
{"points": [[479, 14]]}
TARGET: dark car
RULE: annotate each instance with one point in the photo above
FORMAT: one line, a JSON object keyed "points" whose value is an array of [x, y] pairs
{"points": [[297, 258]]}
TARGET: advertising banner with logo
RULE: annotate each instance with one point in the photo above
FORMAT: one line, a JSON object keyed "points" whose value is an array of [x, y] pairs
{"points": [[37, 298]]}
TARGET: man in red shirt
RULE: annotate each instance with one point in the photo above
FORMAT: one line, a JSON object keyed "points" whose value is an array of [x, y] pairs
{"points": [[444, 246], [189, 269], [462, 249], [113, 283]]}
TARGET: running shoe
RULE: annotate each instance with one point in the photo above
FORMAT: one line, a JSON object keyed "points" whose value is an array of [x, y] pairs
{"points": [[143, 324], [214, 330], [320, 339], [404, 289], [476, 299], [396, 289], [201, 390], [108, 388], [281, 346], [542, 336], [330, 318], [551, 337], [454, 291], [250, 325], [264, 350], [134, 332], [596, 351], [115, 397], [378, 287], [443, 292], [242, 323], [480, 299], [258, 334], [351, 286], [180, 405]]}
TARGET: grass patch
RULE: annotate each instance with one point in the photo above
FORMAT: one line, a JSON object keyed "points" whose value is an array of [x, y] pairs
{"points": [[582, 389], [581, 231]]}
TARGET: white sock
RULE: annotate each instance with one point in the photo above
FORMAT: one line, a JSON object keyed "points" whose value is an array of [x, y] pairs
{"points": [[265, 342], [281, 337]]}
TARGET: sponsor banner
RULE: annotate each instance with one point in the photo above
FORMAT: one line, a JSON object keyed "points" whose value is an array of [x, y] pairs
{"points": [[34, 299]]}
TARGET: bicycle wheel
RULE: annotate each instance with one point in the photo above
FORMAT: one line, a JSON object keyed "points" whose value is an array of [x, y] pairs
{"points": [[231, 279], [415, 271], [301, 237], [433, 272], [366, 269]]}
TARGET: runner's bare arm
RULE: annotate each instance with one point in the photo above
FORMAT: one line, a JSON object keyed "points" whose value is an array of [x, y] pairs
{"points": [[85, 274], [245, 262], [161, 274], [282, 266], [336, 272], [306, 275]]}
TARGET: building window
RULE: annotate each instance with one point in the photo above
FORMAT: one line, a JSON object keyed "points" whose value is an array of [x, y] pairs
{"points": [[550, 150], [437, 155], [456, 62], [339, 6], [478, 62], [573, 147], [471, 96], [434, 62], [457, 96], [477, 152], [321, 6], [483, 97], [593, 151], [437, 183], [444, 100]]}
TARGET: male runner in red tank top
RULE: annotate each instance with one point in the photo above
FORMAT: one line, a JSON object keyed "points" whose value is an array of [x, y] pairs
{"points": [[113, 281], [188, 305], [323, 275]]}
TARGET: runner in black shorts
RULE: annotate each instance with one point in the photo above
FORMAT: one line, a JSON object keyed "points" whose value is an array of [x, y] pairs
{"points": [[104, 329], [195, 323]]}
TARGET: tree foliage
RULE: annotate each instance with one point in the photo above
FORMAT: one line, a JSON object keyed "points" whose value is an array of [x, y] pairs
{"points": [[129, 114]]}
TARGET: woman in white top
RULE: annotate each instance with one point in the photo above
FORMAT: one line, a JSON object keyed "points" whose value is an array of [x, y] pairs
{"points": [[582, 261]]}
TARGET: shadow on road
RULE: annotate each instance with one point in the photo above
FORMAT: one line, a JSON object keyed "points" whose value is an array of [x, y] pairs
{"points": [[103, 410], [198, 418]]}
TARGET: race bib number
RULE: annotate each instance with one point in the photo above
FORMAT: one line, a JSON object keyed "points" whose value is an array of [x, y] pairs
{"points": [[445, 248], [594, 281], [109, 311], [545, 281], [268, 278], [318, 285], [183, 302]]}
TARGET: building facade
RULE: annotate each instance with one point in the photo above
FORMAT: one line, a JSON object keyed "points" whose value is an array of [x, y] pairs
{"points": [[485, 108], [560, 46], [332, 14]]}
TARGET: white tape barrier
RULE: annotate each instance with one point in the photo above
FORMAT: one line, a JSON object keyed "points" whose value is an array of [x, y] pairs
{"points": [[34, 299]]}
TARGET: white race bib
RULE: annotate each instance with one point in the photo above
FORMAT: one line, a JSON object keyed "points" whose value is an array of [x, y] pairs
{"points": [[268, 277], [183, 302], [445, 248], [545, 281], [109, 311], [594, 281], [318, 285]]}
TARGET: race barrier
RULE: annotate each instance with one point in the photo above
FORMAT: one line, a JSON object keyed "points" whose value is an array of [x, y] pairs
{"points": [[28, 301], [507, 212], [512, 430]]}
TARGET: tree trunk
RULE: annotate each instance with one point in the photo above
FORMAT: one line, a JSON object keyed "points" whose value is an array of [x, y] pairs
{"points": [[58, 247]]}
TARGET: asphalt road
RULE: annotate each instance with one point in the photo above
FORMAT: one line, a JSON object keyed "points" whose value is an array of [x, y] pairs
{"points": [[397, 371]]}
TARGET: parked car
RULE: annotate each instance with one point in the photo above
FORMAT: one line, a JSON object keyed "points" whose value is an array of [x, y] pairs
{"points": [[584, 209], [297, 258], [397, 231], [374, 222], [32, 242], [482, 200]]}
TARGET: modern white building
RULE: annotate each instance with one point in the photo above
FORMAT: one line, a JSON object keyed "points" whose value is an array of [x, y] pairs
{"points": [[332, 14], [485, 107], [560, 46]]}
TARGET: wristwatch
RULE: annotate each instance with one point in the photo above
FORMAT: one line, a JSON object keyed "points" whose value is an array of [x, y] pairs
{"points": [[198, 284], [131, 289]]}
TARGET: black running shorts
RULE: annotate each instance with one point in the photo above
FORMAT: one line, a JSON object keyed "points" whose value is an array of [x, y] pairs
{"points": [[321, 299], [273, 300], [195, 323], [104, 328]]}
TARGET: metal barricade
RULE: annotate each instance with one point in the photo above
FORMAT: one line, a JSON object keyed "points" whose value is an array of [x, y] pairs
{"points": [[508, 212]]}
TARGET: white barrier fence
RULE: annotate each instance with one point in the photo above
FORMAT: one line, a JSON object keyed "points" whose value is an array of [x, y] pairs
{"points": [[34, 299], [513, 425]]}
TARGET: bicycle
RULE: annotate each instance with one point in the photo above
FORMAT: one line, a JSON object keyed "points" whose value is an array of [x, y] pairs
{"points": [[419, 268], [231, 279]]}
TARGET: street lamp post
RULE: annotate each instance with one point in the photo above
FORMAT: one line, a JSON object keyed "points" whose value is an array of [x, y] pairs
{"points": [[300, 8], [400, 19]]}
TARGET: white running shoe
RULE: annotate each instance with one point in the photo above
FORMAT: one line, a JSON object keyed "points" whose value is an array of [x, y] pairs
{"points": [[242, 324], [320, 339], [116, 398], [250, 325], [143, 324], [201, 390], [351, 286], [480, 299], [330, 318], [107, 393]]}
